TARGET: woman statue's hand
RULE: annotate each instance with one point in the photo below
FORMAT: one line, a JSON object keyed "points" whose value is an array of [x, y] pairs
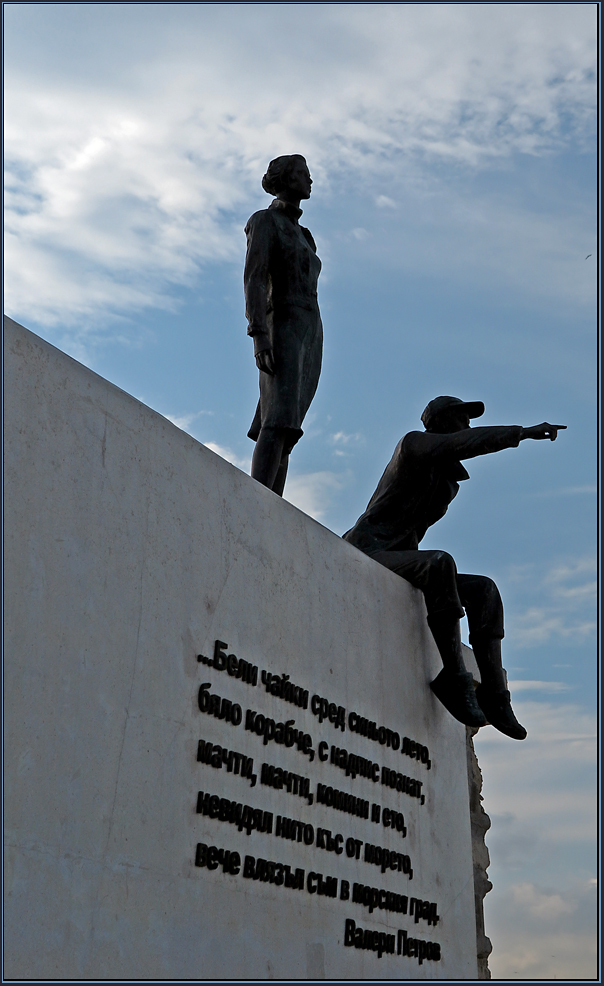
{"points": [[265, 362]]}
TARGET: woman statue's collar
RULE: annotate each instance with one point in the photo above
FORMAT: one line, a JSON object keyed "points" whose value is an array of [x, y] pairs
{"points": [[291, 211]]}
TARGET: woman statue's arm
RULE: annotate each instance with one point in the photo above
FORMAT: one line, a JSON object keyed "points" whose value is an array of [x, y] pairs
{"points": [[259, 232]]}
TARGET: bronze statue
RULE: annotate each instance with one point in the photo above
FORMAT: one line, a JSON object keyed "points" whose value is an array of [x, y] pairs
{"points": [[419, 483], [280, 281]]}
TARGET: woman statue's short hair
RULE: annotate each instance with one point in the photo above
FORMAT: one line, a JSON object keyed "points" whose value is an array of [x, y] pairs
{"points": [[275, 178]]}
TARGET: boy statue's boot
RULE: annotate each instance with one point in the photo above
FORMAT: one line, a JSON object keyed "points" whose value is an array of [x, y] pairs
{"points": [[454, 686], [492, 693]]}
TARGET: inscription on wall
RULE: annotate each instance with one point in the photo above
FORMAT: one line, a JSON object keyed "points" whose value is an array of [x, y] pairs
{"points": [[302, 792]]}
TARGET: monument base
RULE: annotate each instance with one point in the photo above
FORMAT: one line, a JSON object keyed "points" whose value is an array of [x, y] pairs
{"points": [[223, 758]]}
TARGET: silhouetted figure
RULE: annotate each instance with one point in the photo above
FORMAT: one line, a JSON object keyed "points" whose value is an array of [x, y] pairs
{"points": [[280, 281], [419, 483]]}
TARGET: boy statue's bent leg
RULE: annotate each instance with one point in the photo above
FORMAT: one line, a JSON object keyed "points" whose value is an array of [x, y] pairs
{"points": [[434, 572], [484, 609]]}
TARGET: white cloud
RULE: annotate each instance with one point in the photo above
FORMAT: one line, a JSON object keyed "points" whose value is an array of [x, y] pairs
{"points": [[546, 781], [541, 905], [344, 443], [186, 420], [546, 935], [541, 797], [133, 157], [560, 956], [344, 438], [313, 492], [383, 202], [538, 625], [573, 569], [523, 685], [568, 590], [242, 462]]}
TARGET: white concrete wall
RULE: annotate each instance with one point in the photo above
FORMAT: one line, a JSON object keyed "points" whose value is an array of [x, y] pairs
{"points": [[129, 549]]}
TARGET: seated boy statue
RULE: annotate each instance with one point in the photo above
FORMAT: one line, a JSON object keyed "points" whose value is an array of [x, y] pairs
{"points": [[415, 491]]}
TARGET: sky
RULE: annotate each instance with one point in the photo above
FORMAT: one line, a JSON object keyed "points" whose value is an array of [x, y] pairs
{"points": [[453, 154]]}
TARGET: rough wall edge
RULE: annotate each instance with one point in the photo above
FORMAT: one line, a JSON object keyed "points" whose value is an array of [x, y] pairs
{"points": [[480, 824], [19, 329], [12, 326]]}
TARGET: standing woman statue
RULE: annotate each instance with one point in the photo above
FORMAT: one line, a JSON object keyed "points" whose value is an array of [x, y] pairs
{"points": [[280, 281]]}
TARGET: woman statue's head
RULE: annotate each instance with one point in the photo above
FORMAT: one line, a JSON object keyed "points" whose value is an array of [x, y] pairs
{"points": [[288, 178]]}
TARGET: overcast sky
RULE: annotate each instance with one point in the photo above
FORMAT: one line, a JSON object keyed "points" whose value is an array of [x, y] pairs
{"points": [[452, 148]]}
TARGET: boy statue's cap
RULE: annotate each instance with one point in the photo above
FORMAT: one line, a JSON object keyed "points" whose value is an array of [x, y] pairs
{"points": [[473, 408]]}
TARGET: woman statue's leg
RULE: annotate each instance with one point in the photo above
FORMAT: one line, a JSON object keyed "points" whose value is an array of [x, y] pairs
{"points": [[281, 476], [268, 458]]}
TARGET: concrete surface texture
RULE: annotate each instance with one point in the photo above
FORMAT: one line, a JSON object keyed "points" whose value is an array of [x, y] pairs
{"points": [[130, 550]]}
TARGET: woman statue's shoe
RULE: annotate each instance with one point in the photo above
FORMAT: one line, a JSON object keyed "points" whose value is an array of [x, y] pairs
{"points": [[456, 692]]}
